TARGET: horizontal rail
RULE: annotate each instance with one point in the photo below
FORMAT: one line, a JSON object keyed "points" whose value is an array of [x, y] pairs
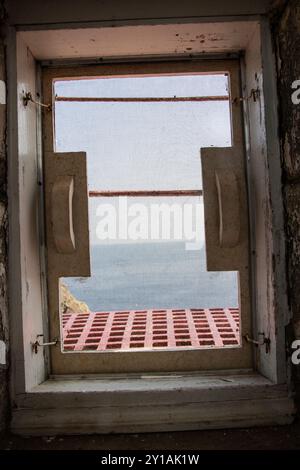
{"points": [[142, 100], [163, 193]]}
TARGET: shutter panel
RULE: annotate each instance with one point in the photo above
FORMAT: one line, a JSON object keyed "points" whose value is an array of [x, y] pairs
{"points": [[225, 209], [66, 209]]}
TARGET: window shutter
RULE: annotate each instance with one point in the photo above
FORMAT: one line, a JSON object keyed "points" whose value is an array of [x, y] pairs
{"points": [[225, 209], [66, 209]]}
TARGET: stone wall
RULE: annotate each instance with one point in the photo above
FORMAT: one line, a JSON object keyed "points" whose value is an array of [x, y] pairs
{"points": [[286, 30], [287, 39], [3, 249], [286, 33]]}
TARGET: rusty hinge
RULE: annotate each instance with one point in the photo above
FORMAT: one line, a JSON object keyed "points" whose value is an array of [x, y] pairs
{"points": [[37, 343], [263, 342]]}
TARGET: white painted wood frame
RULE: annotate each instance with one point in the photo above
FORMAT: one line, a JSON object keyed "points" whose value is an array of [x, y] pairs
{"points": [[43, 405]]}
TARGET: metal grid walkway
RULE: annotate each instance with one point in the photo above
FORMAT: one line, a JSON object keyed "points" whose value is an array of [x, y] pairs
{"points": [[151, 329]]}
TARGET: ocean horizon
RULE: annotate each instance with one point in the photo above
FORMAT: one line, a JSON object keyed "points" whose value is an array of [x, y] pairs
{"points": [[136, 276]]}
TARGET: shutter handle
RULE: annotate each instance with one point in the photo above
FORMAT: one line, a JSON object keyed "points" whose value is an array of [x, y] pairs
{"points": [[62, 214], [229, 207]]}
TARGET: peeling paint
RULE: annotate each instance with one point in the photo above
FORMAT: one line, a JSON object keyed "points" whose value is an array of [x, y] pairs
{"points": [[2, 353], [3, 250], [286, 31], [288, 46], [2, 92]]}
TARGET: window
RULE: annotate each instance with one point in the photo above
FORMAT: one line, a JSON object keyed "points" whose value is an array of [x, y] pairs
{"points": [[138, 401], [150, 303]]}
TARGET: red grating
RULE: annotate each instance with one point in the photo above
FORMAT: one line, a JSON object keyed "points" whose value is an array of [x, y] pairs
{"points": [[150, 329]]}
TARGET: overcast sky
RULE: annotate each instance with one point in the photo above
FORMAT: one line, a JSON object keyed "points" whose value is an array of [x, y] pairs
{"points": [[142, 145]]}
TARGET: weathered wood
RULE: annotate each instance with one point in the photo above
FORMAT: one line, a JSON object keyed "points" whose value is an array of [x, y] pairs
{"points": [[160, 404]]}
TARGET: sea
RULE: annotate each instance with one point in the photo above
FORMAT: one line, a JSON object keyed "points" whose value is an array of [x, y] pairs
{"points": [[138, 276]]}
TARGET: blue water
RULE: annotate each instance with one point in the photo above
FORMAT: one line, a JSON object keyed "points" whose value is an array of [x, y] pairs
{"points": [[152, 275]]}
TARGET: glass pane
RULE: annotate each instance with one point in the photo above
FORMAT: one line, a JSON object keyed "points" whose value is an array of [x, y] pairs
{"points": [[159, 263], [148, 257], [162, 85], [138, 145]]}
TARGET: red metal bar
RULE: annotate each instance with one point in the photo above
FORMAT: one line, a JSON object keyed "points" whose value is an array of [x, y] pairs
{"points": [[192, 329], [149, 330], [161, 99], [106, 333], [81, 342], [67, 321], [170, 330], [214, 329], [233, 323], [127, 331], [142, 193]]}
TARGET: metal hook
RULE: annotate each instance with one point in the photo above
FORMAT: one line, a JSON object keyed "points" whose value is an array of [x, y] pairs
{"points": [[254, 94], [37, 344], [27, 97], [265, 341]]}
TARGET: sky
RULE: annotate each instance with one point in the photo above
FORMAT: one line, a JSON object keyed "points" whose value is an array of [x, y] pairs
{"points": [[135, 146]]}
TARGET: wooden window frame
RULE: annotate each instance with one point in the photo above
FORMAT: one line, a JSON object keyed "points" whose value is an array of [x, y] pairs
{"points": [[101, 404], [160, 360]]}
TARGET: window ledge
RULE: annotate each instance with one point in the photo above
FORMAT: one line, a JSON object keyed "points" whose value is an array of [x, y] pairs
{"points": [[151, 403]]}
